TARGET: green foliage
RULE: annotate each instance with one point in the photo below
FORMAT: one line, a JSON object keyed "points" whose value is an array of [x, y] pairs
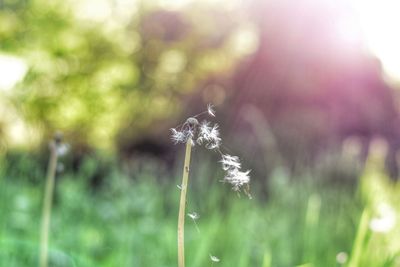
{"points": [[377, 241], [93, 74], [132, 222]]}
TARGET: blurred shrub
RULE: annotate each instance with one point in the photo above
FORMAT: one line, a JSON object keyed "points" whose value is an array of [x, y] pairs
{"points": [[110, 69]]}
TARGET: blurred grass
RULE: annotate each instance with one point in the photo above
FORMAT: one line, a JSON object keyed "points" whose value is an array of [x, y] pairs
{"points": [[131, 221]]}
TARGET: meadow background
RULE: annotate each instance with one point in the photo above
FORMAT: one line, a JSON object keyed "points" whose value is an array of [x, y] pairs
{"points": [[305, 93]]}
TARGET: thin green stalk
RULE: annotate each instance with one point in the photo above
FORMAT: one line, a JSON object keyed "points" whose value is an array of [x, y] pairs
{"points": [[47, 203], [359, 242], [182, 205]]}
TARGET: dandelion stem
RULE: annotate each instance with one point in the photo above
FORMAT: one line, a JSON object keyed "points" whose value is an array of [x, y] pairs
{"points": [[47, 202], [182, 205]]}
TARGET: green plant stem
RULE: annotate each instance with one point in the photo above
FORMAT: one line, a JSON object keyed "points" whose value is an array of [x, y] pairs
{"points": [[359, 243], [47, 203], [182, 205]]}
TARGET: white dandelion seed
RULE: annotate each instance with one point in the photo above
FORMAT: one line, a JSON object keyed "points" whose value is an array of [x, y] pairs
{"points": [[204, 130], [194, 216], [213, 146], [177, 136], [189, 133], [237, 178], [210, 110], [209, 135], [215, 140], [230, 162], [214, 258]]}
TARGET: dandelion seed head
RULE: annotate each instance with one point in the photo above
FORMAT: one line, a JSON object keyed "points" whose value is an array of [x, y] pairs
{"points": [[208, 134], [192, 122], [214, 258]]}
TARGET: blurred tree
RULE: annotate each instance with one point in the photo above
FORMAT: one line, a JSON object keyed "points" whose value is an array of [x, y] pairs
{"points": [[101, 70]]}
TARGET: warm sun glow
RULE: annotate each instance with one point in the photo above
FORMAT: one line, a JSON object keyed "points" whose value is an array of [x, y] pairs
{"points": [[380, 21], [12, 70]]}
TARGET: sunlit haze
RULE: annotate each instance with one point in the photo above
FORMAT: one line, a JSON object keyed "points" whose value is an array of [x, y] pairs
{"points": [[12, 70], [380, 21]]}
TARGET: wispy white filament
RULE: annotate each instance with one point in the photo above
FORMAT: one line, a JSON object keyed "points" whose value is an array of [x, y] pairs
{"points": [[210, 110]]}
